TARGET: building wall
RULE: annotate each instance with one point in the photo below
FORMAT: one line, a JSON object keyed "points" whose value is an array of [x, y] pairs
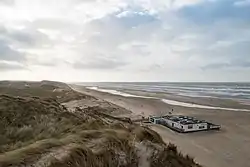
{"points": [[174, 124], [195, 127], [187, 128], [155, 120]]}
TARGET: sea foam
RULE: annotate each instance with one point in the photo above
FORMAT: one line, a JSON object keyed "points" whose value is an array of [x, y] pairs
{"points": [[170, 102]]}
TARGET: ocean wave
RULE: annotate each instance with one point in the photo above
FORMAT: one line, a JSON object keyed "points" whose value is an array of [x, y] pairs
{"points": [[170, 102], [115, 92], [198, 92], [216, 90], [190, 105]]}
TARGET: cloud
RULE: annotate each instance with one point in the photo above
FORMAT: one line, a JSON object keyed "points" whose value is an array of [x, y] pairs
{"points": [[53, 24], [18, 45], [133, 19], [7, 2], [142, 40], [24, 37], [166, 42], [100, 63], [8, 66], [208, 12], [242, 3], [28, 37], [9, 54], [216, 66]]}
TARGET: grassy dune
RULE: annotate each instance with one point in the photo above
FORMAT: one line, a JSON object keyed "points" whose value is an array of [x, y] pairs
{"points": [[39, 131], [45, 89]]}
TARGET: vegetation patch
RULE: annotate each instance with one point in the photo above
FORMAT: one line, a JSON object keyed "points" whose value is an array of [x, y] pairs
{"points": [[40, 132]]}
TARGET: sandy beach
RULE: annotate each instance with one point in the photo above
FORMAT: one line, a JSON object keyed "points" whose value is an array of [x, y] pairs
{"points": [[227, 147]]}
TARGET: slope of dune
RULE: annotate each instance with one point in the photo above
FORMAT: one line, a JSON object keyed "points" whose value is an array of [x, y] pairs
{"points": [[40, 131]]}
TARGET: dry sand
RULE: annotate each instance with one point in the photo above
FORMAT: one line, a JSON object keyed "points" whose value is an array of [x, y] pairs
{"points": [[229, 147], [93, 102]]}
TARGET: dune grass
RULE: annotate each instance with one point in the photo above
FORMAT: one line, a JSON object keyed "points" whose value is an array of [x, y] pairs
{"points": [[40, 132]]}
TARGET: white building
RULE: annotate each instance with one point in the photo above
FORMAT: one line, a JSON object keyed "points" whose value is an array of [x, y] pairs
{"points": [[183, 123], [155, 120]]}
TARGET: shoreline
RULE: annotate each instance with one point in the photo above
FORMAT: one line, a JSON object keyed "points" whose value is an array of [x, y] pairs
{"points": [[227, 147], [168, 101]]}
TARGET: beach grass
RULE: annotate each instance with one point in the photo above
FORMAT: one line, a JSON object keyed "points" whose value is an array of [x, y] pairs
{"points": [[40, 131]]}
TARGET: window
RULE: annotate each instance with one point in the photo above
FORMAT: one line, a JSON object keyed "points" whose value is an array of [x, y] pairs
{"points": [[190, 126], [172, 124], [201, 127]]}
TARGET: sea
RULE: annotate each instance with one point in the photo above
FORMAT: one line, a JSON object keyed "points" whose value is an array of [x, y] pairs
{"points": [[230, 90], [236, 91]]}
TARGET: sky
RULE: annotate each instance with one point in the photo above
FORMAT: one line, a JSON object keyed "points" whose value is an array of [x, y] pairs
{"points": [[125, 40]]}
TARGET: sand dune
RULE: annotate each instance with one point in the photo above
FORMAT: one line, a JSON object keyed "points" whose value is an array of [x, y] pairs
{"points": [[228, 147]]}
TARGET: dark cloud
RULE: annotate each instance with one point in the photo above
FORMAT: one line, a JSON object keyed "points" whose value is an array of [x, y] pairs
{"points": [[2, 30], [236, 51], [232, 56], [26, 37], [8, 66], [29, 37], [9, 54], [14, 40], [233, 64], [23, 38]]}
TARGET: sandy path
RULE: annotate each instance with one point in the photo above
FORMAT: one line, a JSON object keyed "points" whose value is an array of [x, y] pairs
{"points": [[229, 147]]}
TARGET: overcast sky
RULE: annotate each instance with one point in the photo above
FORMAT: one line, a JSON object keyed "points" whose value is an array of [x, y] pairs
{"points": [[125, 40]]}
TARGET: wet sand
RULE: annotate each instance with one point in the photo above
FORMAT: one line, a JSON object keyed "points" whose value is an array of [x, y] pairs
{"points": [[229, 147], [207, 101]]}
